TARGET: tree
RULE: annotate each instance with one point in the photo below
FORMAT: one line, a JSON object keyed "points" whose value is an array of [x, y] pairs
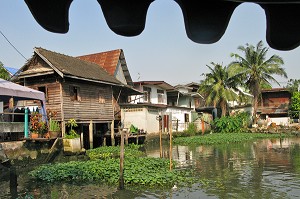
{"points": [[254, 70], [295, 104], [217, 87], [4, 74], [293, 85]]}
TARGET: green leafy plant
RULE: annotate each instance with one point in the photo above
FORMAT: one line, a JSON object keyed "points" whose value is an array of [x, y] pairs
{"points": [[54, 125], [133, 129], [135, 168], [107, 152], [191, 130], [72, 133], [222, 138], [295, 105], [231, 124]]}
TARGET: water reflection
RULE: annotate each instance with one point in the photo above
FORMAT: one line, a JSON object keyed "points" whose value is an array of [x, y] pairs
{"points": [[263, 169]]}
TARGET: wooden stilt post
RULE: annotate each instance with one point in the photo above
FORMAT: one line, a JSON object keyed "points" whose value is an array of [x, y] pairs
{"points": [[91, 134], [121, 179], [112, 133], [81, 136], [126, 137], [63, 128], [104, 141]]}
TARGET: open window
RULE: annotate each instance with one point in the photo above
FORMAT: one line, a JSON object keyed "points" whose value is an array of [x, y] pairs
{"points": [[160, 96], [147, 93], [44, 89], [75, 93]]}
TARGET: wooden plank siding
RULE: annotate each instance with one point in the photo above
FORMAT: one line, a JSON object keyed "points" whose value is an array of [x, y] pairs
{"points": [[278, 99], [94, 103], [53, 97]]}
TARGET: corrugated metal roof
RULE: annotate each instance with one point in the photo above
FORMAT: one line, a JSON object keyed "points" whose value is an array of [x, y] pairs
{"points": [[107, 60]]}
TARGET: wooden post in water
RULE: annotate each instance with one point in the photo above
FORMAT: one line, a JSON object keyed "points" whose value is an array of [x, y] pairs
{"points": [[121, 179], [160, 144], [170, 142]]}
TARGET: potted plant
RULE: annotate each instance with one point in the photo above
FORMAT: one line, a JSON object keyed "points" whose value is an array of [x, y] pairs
{"points": [[37, 127], [72, 133], [54, 128], [71, 140]]}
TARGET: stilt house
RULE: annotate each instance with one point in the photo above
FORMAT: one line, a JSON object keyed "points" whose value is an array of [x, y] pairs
{"points": [[75, 89]]}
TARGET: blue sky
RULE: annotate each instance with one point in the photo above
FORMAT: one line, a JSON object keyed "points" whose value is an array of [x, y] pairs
{"points": [[161, 52]]}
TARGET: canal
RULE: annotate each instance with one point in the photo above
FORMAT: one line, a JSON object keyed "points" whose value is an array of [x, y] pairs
{"points": [[268, 168]]}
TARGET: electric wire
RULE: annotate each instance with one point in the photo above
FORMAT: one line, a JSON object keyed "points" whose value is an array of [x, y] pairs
{"points": [[12, 45]]}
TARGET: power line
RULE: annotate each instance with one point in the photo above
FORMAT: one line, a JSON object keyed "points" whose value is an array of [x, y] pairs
{"points": [[12, 45]]}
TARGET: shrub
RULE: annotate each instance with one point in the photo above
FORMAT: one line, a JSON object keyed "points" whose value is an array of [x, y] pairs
{"points": [[231, 124], [191, 130]]}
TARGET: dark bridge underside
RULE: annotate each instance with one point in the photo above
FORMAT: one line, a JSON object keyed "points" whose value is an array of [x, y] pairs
{"points": [[205, 20]]}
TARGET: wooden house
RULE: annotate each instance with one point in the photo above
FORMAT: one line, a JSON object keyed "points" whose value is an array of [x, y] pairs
{"points": [[114, 63], [75, 89], [274, 105]]}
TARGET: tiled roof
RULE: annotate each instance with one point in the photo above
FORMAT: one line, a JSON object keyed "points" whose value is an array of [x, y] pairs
{"points": [[107, 60], [75, 67]]}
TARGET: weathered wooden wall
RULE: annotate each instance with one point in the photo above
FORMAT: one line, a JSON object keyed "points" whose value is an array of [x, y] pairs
{"points": [[53, 100], [88, 107]]}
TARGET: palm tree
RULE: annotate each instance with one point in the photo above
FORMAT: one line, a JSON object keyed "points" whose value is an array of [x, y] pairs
{"points": [[254, 70], [217, 87]]}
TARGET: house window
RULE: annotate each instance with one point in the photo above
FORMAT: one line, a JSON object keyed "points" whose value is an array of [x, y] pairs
{"points": [[186, 117], [160, 96], [147, 92], [101, 97], [75, 93], [44, 90]]}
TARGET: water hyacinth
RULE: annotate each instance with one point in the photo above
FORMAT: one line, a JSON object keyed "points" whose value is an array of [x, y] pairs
{"points": [[104, 167]]}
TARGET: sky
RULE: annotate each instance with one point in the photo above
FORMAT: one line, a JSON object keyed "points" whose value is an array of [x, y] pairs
{"points": [[162, 52]]}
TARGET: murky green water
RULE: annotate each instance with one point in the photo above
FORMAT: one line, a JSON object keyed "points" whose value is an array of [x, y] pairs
{"points": [[264, 169]]}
